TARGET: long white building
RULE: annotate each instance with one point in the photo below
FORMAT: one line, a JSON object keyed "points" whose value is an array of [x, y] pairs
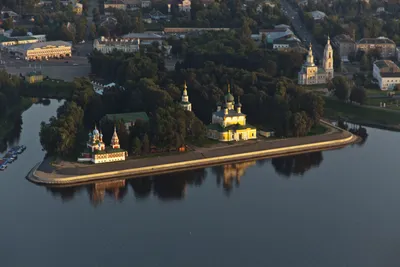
{"points": [[387, 73], [127, 43], [44, 50]]}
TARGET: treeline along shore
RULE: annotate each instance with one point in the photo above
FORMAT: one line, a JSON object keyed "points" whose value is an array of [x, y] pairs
{"points": [[44, 173]]}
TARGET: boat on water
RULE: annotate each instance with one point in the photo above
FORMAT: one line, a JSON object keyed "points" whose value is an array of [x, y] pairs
{"points": [[3, 167]]}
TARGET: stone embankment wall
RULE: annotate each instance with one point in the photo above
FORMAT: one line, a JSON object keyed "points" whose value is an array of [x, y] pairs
{"points": [[141, 167]]}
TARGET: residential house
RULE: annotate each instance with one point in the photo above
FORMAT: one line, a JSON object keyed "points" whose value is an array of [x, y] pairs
{"points": [[116, 4], [34, 77], [185, 6], [157, 15], [276, 33], [387, 73], [318, 15], [385, 46], [345, 45]]}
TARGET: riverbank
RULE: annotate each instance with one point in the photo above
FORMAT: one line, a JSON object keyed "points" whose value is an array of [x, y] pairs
{"points": [[73, 173], [365, 115]]}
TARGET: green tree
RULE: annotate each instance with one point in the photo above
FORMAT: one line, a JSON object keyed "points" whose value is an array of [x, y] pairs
{"points": [[136, 146], [341, 87], [8, 24], [103, 31], [92, 33], [364, 63], [358, 94], [146, 144]]}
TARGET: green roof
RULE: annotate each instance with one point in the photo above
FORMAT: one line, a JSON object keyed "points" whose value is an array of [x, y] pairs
{"points": [[128, 117], [34, 73], [16, 38]]}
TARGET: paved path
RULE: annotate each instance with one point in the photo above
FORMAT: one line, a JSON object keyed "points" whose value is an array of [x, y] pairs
{"points": [[47, 171]]}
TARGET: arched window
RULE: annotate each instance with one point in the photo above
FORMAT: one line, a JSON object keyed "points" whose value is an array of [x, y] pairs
{"points": [[330, 54]]}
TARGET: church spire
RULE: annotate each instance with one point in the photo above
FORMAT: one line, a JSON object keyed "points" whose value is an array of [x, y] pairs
{"points": [[229, 87], [184, 89], [115, 139], [186, 105]]}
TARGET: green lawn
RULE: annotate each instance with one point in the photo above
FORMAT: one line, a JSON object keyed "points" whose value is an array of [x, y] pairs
{"points": [[360, 114], [318, 129]]}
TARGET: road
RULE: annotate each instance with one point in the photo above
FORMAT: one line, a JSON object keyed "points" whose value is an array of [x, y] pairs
{"points": [[300, 29]]}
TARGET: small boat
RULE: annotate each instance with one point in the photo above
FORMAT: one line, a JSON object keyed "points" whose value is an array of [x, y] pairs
{"points": [[21, 149], [3, 167]]}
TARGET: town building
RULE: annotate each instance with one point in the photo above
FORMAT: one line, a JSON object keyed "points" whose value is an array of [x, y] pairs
{"points": [[345, 45], [278, 32], [44, 50], [185, 104], [229, 123], [146, 3], [385, 46], [128, 43], [387, 73], [129, 119], [34, 77], [157, 15], [8, 13], [185, 6], [115, 4], [17, 40], [288, 45], [97, 152], [318, 15], [78, 8], [311, 73], [177, 30]]}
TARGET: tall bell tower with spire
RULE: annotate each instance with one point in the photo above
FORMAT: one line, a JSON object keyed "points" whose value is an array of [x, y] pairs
{"points": [[186, 105], [311, 73], [327, 62]]}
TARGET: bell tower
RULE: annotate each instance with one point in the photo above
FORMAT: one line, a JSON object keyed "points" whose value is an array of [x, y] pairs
{"points": [[327, 62]]}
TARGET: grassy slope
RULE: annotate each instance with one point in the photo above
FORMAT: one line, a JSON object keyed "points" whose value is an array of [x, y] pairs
{"points": [[361, 114]]}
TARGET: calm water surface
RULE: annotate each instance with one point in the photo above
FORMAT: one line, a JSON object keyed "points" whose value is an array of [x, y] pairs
{"points": [[336, 208]]}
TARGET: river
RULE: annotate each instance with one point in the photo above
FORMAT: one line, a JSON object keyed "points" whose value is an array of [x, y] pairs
{"points": [[335, 208]]}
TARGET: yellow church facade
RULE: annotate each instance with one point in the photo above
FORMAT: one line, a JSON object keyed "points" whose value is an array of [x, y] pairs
{"points": [[229, 123], [311, 73]]}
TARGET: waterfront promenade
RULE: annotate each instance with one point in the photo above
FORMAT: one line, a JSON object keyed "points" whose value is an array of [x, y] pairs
{"points": [[67, 173]]}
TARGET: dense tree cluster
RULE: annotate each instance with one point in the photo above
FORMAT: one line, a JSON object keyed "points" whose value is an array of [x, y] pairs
{"points": [[358, 18], [11, 107], [211, 60]]}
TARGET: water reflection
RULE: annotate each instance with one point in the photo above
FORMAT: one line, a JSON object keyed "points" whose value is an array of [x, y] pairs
{"points": [[297, 164], [10, 131], [230, 174], [173, 186]]}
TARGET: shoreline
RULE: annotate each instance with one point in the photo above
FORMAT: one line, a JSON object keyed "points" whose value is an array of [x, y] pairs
{"points": [[43, 173]]}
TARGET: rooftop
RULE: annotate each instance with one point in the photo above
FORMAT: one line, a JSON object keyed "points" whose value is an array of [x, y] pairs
{"points": [[318, 14], [43, 44], [128, 117], [343, 38], [379, 40], [34, 73], [219, 128], [143, 36], [231, 113], [387, 68]]}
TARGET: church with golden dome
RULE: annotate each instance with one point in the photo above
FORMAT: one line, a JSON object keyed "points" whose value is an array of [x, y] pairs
{"points": [[228, 123], [311, 73], [97, 152]]}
